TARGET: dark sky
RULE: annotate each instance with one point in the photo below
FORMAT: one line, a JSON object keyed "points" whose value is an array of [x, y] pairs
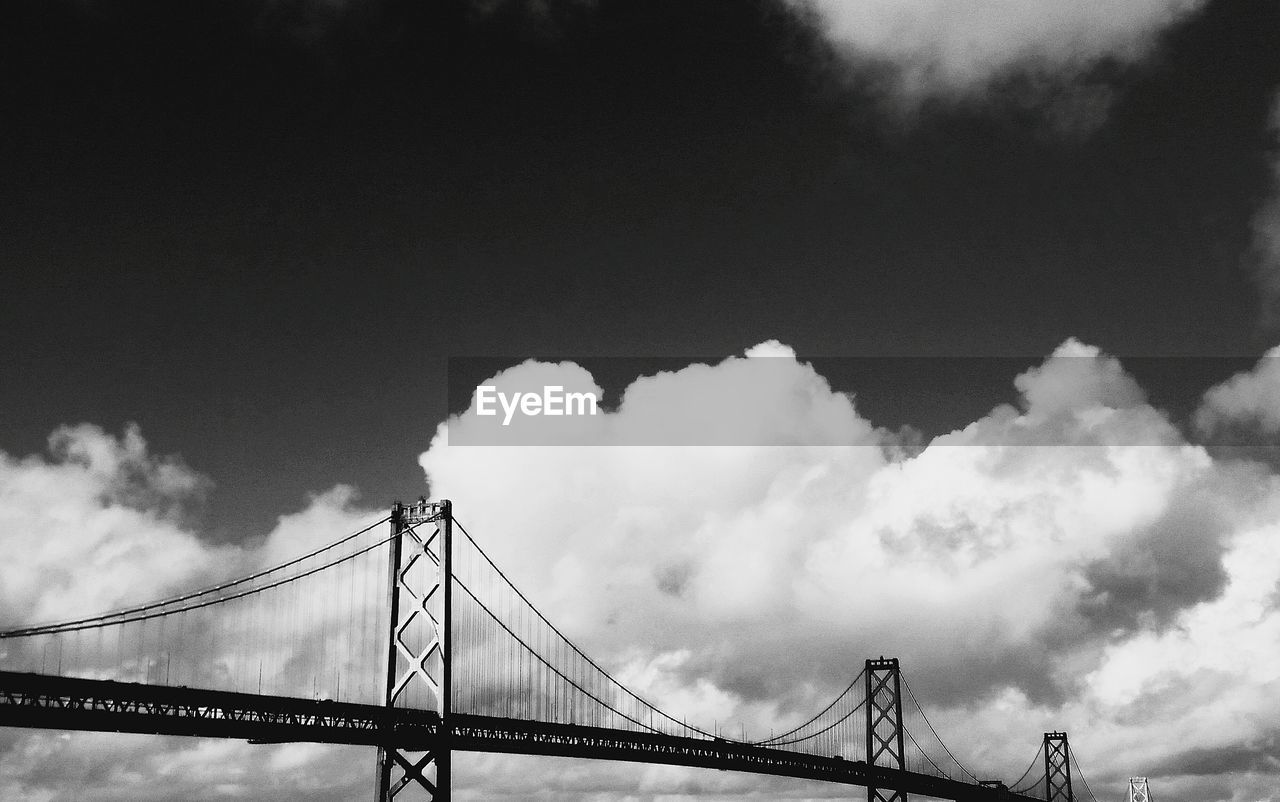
{"points": [[259, 229]]}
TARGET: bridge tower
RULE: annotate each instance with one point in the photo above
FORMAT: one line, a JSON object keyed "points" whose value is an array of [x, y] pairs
{"points": [[418, 651], [1057, 767], [1138, 790], [884, 723]]}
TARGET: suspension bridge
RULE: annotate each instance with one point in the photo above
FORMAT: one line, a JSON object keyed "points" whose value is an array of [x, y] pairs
{"points": [[406, 637]]}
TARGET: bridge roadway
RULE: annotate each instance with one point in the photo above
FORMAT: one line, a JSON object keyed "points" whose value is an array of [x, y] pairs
{"points": [[67, 703]]}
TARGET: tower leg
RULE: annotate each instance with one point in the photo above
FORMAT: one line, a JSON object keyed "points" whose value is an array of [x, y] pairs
{"points": [[1057, 767], [884, 723], [418, 656]]}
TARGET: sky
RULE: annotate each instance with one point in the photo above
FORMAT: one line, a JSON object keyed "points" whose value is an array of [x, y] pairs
{"points": [[1016, 268]]}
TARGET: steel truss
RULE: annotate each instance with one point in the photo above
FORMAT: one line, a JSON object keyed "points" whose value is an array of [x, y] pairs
{"points": [[418, 657], [34, 700], [1057, 767], [884, 723]]}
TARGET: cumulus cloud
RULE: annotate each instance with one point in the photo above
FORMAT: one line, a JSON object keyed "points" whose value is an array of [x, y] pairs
{"points": [[99, 523], [924, 49], [1249, 400], [1018, 564], [96, 525], [961, 47], [109, 767], [1197, 690], [1035, 570]]}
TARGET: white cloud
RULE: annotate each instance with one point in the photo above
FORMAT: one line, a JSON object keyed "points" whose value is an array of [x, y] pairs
{"points": [[1207, 687], [1012, 564], [97, 525], [1250, 399], [770, 348], [1035, 569], [960, 48]]}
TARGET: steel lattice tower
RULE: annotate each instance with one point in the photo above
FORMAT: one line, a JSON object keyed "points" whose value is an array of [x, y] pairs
{"points": [[884, 723], [1057, 767], [1138, 790], [418, 657]]}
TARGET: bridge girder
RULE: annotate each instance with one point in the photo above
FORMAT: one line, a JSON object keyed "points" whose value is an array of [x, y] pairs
{"points": [[44, 702]]}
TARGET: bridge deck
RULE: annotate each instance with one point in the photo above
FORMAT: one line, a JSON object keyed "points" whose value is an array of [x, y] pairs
{"points": [[46, 702]]}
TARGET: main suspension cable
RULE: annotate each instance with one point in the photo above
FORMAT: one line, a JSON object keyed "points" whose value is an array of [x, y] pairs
{"points": [[907, 685], [65, 626], [130, 616], [820, 713], [573, 646], [1031, 766], [828, 728], [1029, 786], [1080, 773], [922, 752], [557, 671]]}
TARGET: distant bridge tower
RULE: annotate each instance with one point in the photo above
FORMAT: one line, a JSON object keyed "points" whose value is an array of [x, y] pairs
{"points": [[1138, 790], [418, 657], [884, 723], [1057, 767]]}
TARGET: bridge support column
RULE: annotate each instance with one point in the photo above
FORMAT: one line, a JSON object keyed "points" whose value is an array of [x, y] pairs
{"points": [[418, 655], [1057, 767], [1138, 790], [884, 723]]}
